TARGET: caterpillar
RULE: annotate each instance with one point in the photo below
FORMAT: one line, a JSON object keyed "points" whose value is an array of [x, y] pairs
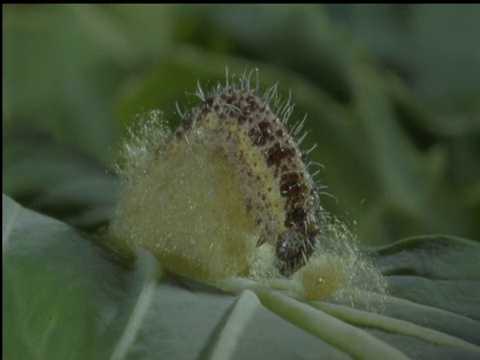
{"points": [[281, 194]]}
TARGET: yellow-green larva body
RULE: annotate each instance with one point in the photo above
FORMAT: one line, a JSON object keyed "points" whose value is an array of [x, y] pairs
{"points": [[280, 192]]}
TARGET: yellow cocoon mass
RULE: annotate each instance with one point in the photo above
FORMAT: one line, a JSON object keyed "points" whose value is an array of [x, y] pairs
{"points": [[190, 211]]}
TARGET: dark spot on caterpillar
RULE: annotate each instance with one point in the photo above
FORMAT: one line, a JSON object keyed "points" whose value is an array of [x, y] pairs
{"points": [[257, 137], [276, 154], [291, 188], [296, 217]]}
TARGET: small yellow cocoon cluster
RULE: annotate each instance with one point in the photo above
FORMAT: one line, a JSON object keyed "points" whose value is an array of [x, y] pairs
{"points": [[227, 194], [323, 277]]}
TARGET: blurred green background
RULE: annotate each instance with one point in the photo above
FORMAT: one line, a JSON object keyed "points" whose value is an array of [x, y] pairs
{"points": [[392, 94]]}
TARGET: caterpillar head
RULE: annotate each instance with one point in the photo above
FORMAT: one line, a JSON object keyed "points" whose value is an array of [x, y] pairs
{"points": [[293, 249]]}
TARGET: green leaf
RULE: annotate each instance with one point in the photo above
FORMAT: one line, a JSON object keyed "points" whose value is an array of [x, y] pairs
{"points": [[65, 297], [60, 293], [438, 271], [433, 48], [52, 83], [57, 180]]}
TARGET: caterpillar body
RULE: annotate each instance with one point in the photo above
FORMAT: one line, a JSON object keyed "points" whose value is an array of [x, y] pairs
{"points": [[281, 193]]}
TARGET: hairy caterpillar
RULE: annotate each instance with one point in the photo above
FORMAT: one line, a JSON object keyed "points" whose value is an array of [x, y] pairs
{"points": [[280, 192]]}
